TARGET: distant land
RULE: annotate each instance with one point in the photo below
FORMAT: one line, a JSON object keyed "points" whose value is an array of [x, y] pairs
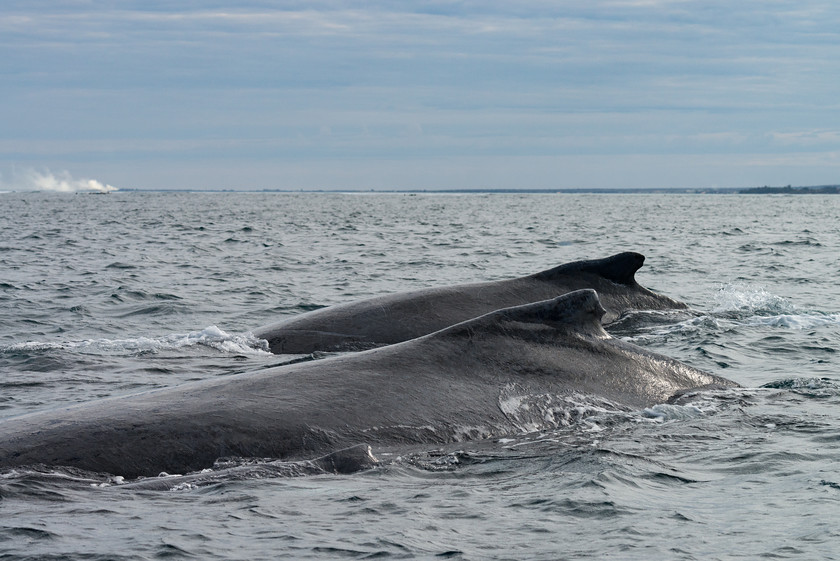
{"points": [[818, 190], [766, 190]]}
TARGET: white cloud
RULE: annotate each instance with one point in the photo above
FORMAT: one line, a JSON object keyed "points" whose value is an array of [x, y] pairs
{"points": [[807, 138]]}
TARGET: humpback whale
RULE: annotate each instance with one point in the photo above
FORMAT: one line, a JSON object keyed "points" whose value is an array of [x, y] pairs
{"points": [[510, 371], [390, 319]]}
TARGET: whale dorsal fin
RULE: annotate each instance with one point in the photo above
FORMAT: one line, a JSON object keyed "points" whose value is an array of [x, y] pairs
{"points": [[579, 311], [580, 307], [619, 268]]}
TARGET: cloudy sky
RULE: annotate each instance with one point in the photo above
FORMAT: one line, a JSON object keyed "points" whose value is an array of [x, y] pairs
{"points": [[420, 94]]}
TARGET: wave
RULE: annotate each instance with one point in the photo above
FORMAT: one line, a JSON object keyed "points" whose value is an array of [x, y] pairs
{"points": [[736, 305], [667, 412], [754, 306], [212, 336], [807, 387], [795, 321], [743, 298]]}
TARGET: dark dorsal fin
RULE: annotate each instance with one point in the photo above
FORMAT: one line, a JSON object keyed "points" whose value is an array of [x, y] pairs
{"points": [[579, 310], [619, 268], [578, 307]]}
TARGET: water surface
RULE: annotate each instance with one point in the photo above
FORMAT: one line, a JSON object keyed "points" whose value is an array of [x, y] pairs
{"points": [[109, 295]]}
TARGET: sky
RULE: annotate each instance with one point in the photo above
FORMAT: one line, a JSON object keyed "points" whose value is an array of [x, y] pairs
{"points": [[414, 94]]}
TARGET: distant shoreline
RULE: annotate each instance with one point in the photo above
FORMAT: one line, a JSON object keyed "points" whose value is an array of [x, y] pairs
{"points": [[766, 190]]}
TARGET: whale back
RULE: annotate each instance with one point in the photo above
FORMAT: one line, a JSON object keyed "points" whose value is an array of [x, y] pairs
{"points": [[393, 318]]}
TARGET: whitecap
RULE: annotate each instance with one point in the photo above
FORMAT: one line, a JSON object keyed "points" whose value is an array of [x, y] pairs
{"points": [[743, 297], [794, 321], [666, 412], [754, 306]]}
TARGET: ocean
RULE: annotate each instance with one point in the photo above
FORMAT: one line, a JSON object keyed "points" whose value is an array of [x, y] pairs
{"points": [[116, 294]]}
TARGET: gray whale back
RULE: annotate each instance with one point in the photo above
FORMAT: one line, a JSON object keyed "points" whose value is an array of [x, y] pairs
{"points": [[400, 317], [508, 371]]}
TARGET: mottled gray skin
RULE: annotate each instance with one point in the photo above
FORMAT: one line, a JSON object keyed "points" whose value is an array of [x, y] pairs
{"points": [[452, 385], [394, 318]]}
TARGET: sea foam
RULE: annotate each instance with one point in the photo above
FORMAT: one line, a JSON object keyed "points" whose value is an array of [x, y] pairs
{"points": [[212, 336]]}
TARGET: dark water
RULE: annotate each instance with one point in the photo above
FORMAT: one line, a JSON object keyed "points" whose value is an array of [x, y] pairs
{"points": [[108, 295]]}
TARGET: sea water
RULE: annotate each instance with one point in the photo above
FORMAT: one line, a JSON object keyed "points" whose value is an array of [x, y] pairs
{"points": [[120, 293]]}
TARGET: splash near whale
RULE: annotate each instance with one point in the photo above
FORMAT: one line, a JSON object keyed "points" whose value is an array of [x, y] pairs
{"points": [[394, 318], [507, 372]]}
